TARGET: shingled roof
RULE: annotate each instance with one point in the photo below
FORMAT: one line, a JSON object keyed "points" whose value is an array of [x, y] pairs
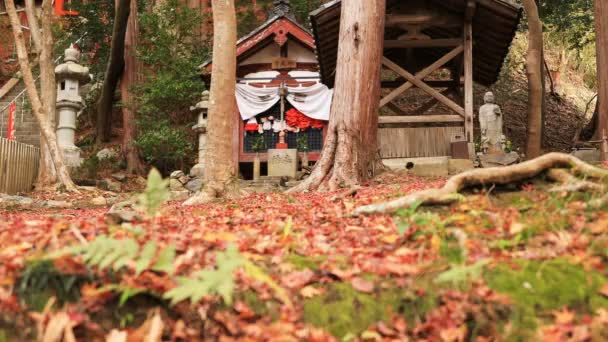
{"points": [[494, 25]]}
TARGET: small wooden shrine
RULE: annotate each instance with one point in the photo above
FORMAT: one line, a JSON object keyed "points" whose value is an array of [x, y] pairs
{"points": [[433, 52], [278, 89]]}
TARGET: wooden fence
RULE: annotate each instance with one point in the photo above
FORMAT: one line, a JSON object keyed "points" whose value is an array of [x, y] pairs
{"points": [[18, 166], [412, 142]]}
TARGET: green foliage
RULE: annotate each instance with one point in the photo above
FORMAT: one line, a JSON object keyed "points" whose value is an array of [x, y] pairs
{"points": [[346, 312], [164, 146], [171, 50], [41, 280], [155, 194], [219, 280], [259, 143], [106, 252], [302, 142], [537, 287], [461, 273]]}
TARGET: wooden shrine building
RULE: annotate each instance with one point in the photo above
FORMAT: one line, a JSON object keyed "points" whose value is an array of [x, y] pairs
{"points": [[435, 50], [277, 65]]}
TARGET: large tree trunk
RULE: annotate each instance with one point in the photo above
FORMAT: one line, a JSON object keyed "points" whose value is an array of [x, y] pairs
{"points": [[113, 71], [47, 175], [350, 150], [41, 109], [601, 34], [534, 65], [130, 77], [220, 168]]}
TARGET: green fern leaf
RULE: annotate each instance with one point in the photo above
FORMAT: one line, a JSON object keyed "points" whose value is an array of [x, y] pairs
{"points": [[146, 256], [164, 263], [130, 249]]}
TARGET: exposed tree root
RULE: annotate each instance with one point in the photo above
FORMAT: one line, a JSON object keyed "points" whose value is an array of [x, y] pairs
{"points": [[570, 183], [485, 177], [350, 192], [215, 190]]}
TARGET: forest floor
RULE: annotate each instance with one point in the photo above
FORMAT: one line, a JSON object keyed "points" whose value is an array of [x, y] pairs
{"points": [[511, 263]]}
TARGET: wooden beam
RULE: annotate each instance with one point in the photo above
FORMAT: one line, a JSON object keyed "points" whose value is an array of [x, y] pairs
{"points": [[468, 81], [419, 119], [469, 11], [420, 84], [428, 19], [422, 74], [433, 83], [422, 43], [396, 109]]}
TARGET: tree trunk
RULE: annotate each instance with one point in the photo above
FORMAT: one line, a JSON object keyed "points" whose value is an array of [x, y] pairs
{"points": [[220, 168], [601, 36], [113, 71], [47, 174], [350, 150], [130, 77], [30, 11], [535, 86], [41, 109]]}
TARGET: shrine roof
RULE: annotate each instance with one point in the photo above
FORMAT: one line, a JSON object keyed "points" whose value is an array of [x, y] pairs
{"points": [[277, 28], [494, 26]]}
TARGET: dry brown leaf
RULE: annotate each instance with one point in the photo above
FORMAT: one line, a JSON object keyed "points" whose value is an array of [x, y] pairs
{"points": [[362, 285]]}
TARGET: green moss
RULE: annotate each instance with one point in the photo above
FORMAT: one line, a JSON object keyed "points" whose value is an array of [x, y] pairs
{"points": [[41, 280], [539, 287], [302, 262], [343, 310]]}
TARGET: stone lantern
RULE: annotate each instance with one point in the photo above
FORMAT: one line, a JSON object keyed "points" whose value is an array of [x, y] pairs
{"points": [[70, 76], [201, 109]]}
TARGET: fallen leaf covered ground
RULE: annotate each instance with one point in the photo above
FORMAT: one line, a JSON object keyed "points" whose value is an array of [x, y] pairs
{"points": [[505, 264]]}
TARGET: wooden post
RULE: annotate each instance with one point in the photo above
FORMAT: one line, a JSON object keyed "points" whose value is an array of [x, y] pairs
{"points": [[468, 80]]}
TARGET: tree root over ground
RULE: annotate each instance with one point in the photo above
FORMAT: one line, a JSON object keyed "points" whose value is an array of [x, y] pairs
{"points": [[216, 190], [501, 176]]}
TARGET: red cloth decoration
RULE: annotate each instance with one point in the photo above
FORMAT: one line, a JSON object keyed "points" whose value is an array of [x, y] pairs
{"points": [[251, 125], [295, 118]]}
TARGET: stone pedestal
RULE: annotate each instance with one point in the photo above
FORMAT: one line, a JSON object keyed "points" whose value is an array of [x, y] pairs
{"points": [[201, 109], [282, 162], [66, 131]]}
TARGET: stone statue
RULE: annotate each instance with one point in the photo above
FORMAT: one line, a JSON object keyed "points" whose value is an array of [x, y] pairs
{"points": [[490, 121]]}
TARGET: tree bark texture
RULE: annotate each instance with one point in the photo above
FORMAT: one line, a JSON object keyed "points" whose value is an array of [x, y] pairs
{"points": [[47, 173], [601, 36], [350, 150], [220, 168], [130, 77], [40, 107], [534, 63], [113, 71]]}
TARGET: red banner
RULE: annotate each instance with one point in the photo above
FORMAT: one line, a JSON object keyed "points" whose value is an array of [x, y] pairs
{"points": [[11, 121]]}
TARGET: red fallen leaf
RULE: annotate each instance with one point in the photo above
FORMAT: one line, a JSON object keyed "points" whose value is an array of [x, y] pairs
{"points": [[385, 330], [298, 279], [244, 310], [400, 268], [362, 285], [604, 290], [564, 316], [343, 274]]}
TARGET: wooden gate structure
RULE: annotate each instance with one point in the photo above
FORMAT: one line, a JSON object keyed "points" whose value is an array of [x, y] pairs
{"points": [[439, 47]]}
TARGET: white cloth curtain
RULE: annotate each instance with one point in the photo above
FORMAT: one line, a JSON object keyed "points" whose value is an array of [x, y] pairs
{"points": [[314, 101]]}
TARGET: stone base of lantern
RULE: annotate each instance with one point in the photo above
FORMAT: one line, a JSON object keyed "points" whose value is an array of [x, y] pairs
{"points": [[197, 171], [71, 156]]}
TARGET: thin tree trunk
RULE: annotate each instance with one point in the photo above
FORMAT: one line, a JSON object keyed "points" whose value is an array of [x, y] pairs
{"points": [[350, 150], [601, 36], [113, 71], [535, 86], [39, 108], [220, 168], [30, 11], [130, 77]]}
